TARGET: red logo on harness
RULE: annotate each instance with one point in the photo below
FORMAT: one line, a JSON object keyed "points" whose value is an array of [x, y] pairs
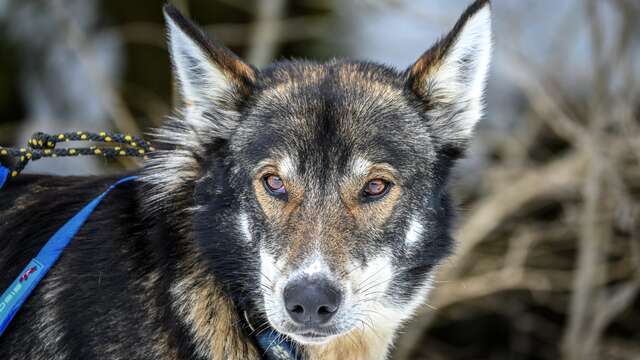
{"points": [[26, 274]]}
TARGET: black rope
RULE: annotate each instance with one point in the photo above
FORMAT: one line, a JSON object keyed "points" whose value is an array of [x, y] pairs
{"points": [[43, 145]]}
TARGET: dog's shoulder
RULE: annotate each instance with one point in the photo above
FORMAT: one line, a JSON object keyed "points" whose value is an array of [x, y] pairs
{"points": [[27, 190], [34, 207], [34, 199]]}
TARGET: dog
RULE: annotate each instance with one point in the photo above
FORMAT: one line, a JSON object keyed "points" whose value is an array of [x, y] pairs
{"points": [[304, 200]]}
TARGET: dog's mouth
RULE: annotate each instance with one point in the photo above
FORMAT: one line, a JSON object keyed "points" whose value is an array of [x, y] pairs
{"points": [[311, 337]]}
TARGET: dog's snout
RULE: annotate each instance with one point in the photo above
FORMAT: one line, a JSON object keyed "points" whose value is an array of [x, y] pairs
{"points": [[311, 301]]}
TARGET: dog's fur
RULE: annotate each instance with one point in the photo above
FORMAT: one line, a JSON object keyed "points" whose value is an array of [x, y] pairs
{"points": [[184, 262]]}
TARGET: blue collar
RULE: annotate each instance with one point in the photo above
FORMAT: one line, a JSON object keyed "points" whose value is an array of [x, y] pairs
{"points": [[275, 346], [272, 344]]}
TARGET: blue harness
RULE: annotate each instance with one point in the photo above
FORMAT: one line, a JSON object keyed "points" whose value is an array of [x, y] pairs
{"points": [[23, 285], [272, 344]]}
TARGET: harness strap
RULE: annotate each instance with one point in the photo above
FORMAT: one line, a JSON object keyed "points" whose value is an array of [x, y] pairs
{"points": [[18, 292], [4, 173]]}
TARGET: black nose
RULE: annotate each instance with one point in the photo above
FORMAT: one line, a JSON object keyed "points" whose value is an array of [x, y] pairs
{"points": [[311, 301]]}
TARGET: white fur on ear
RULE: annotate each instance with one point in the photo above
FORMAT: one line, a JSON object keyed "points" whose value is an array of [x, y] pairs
{"points": [[452, 76], [211, 80], [462, 75], [199, 79]]}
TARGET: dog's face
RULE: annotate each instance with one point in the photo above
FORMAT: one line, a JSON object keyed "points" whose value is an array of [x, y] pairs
{"points": [[335, 172], [344, 201]]}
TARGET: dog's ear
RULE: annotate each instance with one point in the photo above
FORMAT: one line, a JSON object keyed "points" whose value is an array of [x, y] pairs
{"points": [[213, 82], [209, 76], [451, 77]]}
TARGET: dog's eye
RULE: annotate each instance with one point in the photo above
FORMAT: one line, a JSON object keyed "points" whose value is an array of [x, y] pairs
{"points": [[274, 184], [376, 188]]}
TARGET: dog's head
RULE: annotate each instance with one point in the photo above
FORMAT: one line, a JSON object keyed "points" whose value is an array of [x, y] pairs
{"points": [[327, 180]]}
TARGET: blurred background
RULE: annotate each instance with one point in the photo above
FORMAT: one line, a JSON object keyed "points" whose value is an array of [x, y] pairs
{"points": [[548, 258]]}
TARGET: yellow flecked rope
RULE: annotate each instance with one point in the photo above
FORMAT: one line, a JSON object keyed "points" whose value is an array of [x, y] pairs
{"points": [[43, 145]]}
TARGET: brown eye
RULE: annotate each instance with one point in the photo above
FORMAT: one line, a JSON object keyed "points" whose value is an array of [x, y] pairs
{"points": [[376, 188], [274, 184]]}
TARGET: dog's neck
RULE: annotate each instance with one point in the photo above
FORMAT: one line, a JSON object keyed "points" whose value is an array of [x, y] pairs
{"points": [[360, 344], [364, 343]]}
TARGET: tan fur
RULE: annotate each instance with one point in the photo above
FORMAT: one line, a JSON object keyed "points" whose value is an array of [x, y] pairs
{"points": [[160, 337], [359, 344], [376, 213], [351, 77], [275, 209], [210, 316], [427, 65]]}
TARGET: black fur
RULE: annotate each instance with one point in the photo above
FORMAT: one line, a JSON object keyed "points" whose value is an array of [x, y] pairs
{"points": [[97, 301]]}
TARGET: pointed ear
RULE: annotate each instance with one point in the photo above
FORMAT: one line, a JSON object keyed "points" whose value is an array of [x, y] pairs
{"points": [[451, 77], [207, 73]]}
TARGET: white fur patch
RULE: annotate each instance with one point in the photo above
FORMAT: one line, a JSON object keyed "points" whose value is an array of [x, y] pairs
{"points": [[243, 223], [370, 286], [419, 298], [316, 266], [287, 167], [272, 286], [268, 265], [391, 316], [370, 282], [368, 299], [414, 233], [361, 167]]}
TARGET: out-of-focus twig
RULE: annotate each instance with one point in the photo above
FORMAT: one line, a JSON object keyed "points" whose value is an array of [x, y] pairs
{"points": [[585, 263], [267, 29], [231, 34]]}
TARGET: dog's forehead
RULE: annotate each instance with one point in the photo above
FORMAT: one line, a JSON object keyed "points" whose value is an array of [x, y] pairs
{"points": [[341, 85], [328, 116]]}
